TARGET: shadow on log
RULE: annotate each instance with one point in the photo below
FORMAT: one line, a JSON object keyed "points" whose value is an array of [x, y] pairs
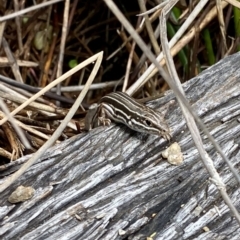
{"points": [[112, 183]]}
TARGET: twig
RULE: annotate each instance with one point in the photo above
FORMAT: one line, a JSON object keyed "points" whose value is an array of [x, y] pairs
{"points": [[129, 63], [221, 22], [160, 6], [18, 130], [234, 3], [27, 128], [4, 62], [38, 106], [149, 27], [49, 58], [12, 60], [18, 25], [26, 10], [2, 27], [62, 44]]}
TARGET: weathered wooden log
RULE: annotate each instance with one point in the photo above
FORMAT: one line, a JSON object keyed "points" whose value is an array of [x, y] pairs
{"points": [[112, 183]]}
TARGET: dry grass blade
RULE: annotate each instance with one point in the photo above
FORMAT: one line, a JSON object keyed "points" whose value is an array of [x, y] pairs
{"points": [[160, 6], [26, 10], [129, 63], [27, 128], [94, 86], [63, 42], [57, 133], [5, 89], [234, 3], [18, 24], [21, 63], [149, 27], [221, 21], [12, 59], [2, 27], [18, 130], [15, 144]]}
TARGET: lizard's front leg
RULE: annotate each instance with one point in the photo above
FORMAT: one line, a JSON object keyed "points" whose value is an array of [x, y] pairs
{"points": [[102, 116], [90, 118]]}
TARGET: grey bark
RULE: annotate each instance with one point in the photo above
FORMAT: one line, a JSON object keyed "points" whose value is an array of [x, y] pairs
{"points": [[112, 182]]}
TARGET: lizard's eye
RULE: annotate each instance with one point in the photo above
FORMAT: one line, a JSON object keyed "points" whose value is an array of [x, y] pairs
{"points": [[148, 123]]}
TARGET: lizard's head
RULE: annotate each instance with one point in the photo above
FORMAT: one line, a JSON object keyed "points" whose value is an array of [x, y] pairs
{"points": [[151, 122]]}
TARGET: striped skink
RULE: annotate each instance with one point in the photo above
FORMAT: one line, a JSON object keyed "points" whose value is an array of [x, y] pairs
{"points": [[121, 108]]}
